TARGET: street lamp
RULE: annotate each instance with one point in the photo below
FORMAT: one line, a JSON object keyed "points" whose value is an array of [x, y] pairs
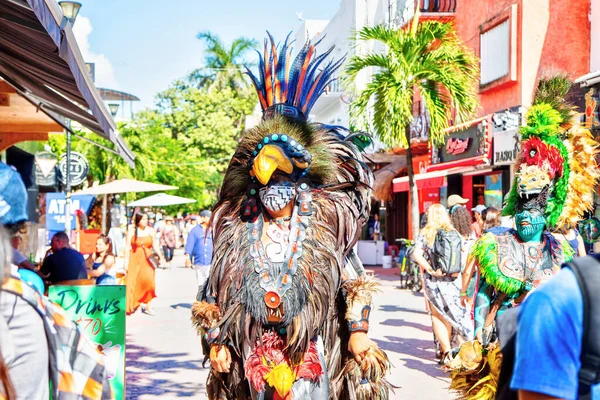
{"points": [[113, 107], [70, 10]]}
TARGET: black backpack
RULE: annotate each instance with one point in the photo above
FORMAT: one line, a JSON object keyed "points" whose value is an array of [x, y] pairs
{"points": [[447, 252], [587, 272]]}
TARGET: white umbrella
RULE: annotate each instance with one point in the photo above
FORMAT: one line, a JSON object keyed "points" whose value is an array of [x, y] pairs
{"points": [[126, 186], [160, 200]]}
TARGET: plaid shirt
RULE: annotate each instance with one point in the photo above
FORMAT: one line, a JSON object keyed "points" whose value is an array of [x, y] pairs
{"points": [[76, 366]]}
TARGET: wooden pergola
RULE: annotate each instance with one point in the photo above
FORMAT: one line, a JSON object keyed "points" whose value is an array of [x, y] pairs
{"points": [[20, 120]]}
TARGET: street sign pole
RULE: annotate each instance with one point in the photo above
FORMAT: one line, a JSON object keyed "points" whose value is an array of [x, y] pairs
{"points": [[68, 185]]}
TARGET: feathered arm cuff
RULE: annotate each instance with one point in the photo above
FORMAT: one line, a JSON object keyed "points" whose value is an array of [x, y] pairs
{"points": [[205, 318], [359, 296]]}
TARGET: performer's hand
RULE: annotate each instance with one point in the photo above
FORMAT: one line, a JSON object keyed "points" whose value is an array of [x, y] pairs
{"points": [[465, 301], [358, 345], [220, 358], [188, 263], [437, 273]]}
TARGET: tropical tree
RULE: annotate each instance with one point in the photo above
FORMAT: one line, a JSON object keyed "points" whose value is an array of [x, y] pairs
{"points": [[428, 59], [223, 66]]}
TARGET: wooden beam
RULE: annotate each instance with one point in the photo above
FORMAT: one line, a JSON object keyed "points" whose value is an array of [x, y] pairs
{"points": [[8, 139], [17, 127], [6, 88]]}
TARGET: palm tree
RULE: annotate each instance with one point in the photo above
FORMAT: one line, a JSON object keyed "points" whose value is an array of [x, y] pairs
{"points": [[429, 59], [223, 65]]}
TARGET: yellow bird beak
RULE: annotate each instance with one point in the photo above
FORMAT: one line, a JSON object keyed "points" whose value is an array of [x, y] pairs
{"points": [[270, 159], [281, 378]]}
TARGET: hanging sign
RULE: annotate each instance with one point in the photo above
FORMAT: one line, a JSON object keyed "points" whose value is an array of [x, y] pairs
{"points": [[100, 313], [506, 147], [55, 209], [45, 171], [79, 169], [591, 110], [466, 143]]}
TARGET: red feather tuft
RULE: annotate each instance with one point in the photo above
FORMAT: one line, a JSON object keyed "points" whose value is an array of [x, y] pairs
{"points": [[536, 152], [311, 367]]}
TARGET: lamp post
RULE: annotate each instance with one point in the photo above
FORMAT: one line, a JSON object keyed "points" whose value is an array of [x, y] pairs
{"points": [[70, 11], [113, 107]]}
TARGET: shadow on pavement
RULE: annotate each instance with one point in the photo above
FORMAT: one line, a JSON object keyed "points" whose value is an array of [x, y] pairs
{"points": [[414, 348], [392, 308], [182, 305], [146, 369], [402, 322]]}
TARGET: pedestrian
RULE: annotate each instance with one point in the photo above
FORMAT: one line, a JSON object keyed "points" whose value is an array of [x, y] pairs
{"points": [[492, 221], [571, 235], [477, 224], [456, 200], [115, 232], [28, 320], [168, 240], [141, 287], [198, 249], [375, 228], [549, 339], [18, 259], [62, 263], [103, 261], [461, 221], [442, 293]]}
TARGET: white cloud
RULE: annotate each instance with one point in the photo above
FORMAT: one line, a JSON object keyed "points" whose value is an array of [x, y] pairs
{"points": [[105, 74]]}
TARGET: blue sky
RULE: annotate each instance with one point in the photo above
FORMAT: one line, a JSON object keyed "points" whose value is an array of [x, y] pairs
{"points": [[141, 46]]}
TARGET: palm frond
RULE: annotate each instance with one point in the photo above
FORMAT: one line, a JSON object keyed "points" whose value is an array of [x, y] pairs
{"points": [[430, 58]]}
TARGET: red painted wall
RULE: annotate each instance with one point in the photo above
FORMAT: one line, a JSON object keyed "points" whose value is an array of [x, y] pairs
{"points": [[551, 36]]}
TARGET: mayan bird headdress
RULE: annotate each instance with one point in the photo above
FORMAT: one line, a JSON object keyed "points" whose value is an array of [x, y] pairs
{"points": [[284, 141], [557, 169]]}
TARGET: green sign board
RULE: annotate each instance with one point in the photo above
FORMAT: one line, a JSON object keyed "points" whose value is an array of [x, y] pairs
{"points": [[100, 312]]}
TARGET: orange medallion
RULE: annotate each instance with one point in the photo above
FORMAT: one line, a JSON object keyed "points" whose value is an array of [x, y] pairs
{"points": [[272, 300]]}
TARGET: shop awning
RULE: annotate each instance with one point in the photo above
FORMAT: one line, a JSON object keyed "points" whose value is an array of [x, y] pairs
{"points": [[424, 181], [431, 179], [465, 162], [39, 57], [382, 186]]}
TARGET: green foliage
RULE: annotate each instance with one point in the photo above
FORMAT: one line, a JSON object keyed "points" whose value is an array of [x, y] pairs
{"points": [[429, 59], [185, 141], [554, 91], [223, 66]]}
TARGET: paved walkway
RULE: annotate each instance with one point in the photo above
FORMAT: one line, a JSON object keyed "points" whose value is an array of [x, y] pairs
{"points": [[164, 355]]}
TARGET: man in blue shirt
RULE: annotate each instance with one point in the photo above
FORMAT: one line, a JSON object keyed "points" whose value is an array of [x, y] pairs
{"points": [[65, 263], [549, 341], [198, 248]]}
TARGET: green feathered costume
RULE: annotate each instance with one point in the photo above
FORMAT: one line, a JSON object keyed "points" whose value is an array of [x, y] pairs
{"points": [[555, 179]]}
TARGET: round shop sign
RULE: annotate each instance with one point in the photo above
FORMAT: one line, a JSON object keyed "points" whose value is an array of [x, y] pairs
{"points": [[79, 169]]}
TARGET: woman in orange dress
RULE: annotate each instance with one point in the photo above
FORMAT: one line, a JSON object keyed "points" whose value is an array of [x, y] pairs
{"points": [[140, 273]]}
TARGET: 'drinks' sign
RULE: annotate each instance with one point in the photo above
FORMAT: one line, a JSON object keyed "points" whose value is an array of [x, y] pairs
{"points": [[100, 312]]}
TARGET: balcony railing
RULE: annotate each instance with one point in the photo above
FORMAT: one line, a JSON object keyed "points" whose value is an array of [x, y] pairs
{"points": [[438, 6], [427, 7], [419, 127]]}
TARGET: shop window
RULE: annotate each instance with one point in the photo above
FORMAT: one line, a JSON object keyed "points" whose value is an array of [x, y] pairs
{"points": [[495, 53]]}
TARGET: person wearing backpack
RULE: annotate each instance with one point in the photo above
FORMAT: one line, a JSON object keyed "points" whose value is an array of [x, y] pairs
{"points": [[553, 186], [556, 342], [438, 252]]}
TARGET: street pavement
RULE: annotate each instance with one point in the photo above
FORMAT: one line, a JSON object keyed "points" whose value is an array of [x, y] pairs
{"points": [[164, 357]]}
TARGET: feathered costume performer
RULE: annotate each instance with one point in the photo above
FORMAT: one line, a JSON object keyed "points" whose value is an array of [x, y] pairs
{"points": [[286, 308], [553, 187]]}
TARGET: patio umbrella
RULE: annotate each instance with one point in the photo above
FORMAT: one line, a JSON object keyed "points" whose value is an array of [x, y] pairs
{"points": [[126, 186], [160, 200]]}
